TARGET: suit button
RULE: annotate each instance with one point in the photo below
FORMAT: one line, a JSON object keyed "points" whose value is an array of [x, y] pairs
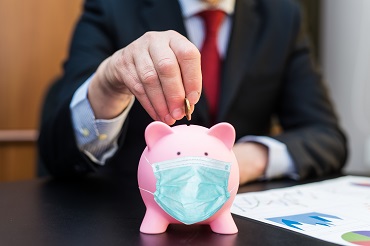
{"points": [[85, 132]]}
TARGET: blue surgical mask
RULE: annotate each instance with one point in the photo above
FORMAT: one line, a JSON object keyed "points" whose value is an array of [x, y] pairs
{"points": [[191, 189]]}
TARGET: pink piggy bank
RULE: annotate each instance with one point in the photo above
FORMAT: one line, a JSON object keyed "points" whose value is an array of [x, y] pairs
{"points": [[190, 175]]}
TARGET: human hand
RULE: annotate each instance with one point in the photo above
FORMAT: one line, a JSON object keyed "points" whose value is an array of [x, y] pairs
{"points": [[252, 159], [160, 69]]}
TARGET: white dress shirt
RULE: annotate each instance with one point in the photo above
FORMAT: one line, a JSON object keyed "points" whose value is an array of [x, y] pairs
{"points": [[98, 138]]}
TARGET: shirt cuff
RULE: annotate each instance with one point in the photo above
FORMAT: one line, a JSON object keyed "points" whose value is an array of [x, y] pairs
{"points": [[97, 138], [280, 163]]}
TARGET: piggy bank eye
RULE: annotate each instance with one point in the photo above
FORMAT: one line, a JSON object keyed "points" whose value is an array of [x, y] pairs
{"points": [[206, 153], [179, 153]]}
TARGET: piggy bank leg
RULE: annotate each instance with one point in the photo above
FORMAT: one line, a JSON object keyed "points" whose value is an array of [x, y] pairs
{"points": [[224, 224], [153, 222]]}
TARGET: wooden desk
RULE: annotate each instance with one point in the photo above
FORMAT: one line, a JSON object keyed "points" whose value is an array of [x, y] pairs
{"points": [[101, 211]]}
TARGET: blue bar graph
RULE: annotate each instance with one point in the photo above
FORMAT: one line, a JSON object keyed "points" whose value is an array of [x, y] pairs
{"points": [[312, 218]]}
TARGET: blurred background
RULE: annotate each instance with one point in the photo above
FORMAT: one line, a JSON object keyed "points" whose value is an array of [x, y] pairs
{"points": [[33, 45], [35, 38]]}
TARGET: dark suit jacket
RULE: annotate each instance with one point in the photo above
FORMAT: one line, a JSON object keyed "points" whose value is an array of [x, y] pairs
{"points": [[267, 72]]}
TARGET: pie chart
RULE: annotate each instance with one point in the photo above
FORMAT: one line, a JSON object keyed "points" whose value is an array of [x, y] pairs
{"points": [[357, 237]]}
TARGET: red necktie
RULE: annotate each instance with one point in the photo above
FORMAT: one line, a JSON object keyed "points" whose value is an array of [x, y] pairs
{"points": [[211, 62]]}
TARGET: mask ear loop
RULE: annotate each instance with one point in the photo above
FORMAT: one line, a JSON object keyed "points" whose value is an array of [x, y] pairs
{"points": [[146, 190], [147, 160], [236, 186], [151, 167], [233, 188]]}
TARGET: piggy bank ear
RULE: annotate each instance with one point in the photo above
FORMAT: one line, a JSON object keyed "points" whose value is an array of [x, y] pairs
{"points": [[155, 131], [225, 132]]}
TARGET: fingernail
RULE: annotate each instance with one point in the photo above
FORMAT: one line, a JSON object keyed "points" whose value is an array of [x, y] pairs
{"points": [[169, 120], [193, 97], [178, 114]]}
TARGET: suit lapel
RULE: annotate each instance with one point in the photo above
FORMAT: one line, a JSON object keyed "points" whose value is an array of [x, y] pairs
{"points": [[239, 56]]}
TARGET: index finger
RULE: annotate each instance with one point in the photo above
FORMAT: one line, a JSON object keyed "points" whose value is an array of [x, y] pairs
{"points": [[188, 57]]}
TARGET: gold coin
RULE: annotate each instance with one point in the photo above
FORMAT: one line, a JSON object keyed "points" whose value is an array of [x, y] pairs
{"points": [[187, 109]]}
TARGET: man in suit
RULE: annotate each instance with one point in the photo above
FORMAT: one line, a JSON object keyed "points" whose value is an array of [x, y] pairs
{"points": [[134, 61]]}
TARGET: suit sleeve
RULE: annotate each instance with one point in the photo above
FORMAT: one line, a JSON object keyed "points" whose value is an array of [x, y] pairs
{"points": [[91, 44], [311, 130]]}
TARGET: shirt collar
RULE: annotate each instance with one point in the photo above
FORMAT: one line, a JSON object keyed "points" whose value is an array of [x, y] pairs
{"points": [[192, 7]]}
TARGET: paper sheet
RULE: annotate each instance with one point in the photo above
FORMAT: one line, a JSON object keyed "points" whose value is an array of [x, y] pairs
{"points": [[336, 210]]}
